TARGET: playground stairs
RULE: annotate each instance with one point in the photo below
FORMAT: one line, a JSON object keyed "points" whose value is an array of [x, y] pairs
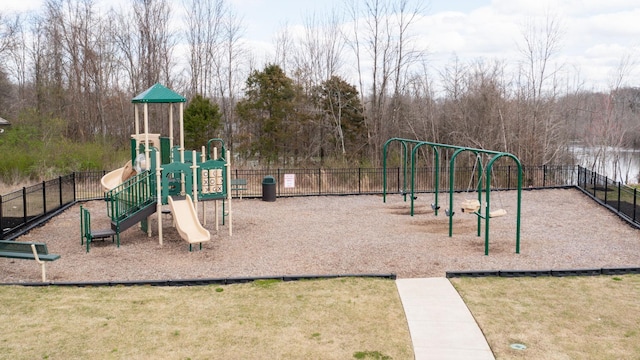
{"points": [[127, 221], [131, 202]]}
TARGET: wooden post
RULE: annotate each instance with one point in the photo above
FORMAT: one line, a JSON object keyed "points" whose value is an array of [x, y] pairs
{"points": [[42, 264], [159, 194], [171, 132], [194, 182], [146, 136], [203, 158]]}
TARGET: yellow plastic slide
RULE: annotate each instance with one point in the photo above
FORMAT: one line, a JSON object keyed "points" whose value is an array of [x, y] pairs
{"points": [[186, 221], [117, 176]]}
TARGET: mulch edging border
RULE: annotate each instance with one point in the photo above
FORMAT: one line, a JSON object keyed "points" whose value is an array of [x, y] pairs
{"points": [[538, 273], [200, 282]]}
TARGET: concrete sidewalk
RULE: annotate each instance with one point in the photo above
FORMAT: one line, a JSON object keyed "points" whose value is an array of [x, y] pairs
{"points": [[440, 323]]}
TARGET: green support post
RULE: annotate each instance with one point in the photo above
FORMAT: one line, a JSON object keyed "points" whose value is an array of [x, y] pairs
{"points": [[165, 150]]}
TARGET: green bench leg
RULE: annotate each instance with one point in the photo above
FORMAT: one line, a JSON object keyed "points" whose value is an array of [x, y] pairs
{"points": [[81, 227]]}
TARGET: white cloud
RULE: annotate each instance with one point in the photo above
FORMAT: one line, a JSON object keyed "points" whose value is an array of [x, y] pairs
{"points": [[577, 8], [19, 5], [596, 34], [616, 25]]}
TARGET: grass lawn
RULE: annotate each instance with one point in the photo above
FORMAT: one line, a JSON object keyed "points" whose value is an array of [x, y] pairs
{"points": [[557, 318], [350, 318]]}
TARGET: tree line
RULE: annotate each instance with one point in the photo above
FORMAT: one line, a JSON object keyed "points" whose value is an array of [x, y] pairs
{"points": [[335, 90]]}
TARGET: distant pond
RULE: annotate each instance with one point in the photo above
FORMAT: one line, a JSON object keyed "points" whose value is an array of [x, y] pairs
{"points": [[618, 164]]}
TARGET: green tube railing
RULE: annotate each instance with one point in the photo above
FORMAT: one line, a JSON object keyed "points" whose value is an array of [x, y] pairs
{"points": [[131, 195]]}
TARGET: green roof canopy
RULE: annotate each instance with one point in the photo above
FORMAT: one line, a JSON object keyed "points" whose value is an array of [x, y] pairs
{"points": [[158, 94]]}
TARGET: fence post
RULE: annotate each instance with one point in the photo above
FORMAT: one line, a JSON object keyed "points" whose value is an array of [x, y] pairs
{"points": [[635, 204], [24, 205], [618, 196], [75, 190], [580, 183], [2, 227], [583, 172], [606, 187], [60, 190], [359, 180], [319, 181], [44, 197]]}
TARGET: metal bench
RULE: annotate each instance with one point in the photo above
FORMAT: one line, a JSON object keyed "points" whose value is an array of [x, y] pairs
{"points": [[87, 235], [238, 185], [28, 251]]}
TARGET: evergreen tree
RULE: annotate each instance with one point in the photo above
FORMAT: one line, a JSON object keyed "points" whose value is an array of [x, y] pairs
{"points": [[201, 122], [267, 113]]}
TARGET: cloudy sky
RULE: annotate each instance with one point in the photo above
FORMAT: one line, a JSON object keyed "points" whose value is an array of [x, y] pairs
{"points": [[597, 34]]}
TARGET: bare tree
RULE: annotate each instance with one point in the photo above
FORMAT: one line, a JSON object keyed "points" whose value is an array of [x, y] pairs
{"points": [[10, 32], [421, 119], [48, 59], [156, 40], [315, 58], [381, 37], [283, 43], [474, 106], [406, 55], [146, 43], [9, 29], [205, 21], [214, 33], [612, 120], [317, 54], [76, 21], [540, 129], [232, 66]]}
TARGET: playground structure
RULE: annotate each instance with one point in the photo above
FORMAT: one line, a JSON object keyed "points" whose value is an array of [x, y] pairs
{"points": [[161, 173], [471, 206]]}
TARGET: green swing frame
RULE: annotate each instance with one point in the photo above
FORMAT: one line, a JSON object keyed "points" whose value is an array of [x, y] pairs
{"points": [[486, 172]]}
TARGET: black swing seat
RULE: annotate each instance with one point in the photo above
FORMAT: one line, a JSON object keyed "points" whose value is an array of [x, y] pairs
{"points": [[405, 193]]}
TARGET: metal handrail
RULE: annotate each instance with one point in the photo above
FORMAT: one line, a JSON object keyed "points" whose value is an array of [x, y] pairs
{"points": [[130, 196]]}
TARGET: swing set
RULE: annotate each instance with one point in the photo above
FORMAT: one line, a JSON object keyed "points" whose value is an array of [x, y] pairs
{"points": [[470, 206]]}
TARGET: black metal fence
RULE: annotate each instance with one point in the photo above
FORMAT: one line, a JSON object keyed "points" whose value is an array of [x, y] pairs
{"points": [[619, 198], [22, 209], [27, 206], [356, 181]]}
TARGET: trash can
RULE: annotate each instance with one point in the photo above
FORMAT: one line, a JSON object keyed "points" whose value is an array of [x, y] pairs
{"points": [[269, 188]]}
